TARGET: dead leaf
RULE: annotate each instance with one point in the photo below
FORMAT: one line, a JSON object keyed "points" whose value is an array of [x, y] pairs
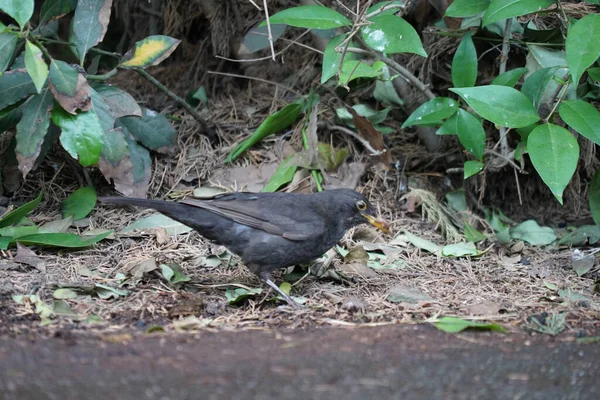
{"points": [[407, 294], [485, 308], [356, 270], [162, 236], [251, 178], [358, 253], [81, 100], [137, 269], [373, 136], [56, 226], [27, 256], [347, 176]]}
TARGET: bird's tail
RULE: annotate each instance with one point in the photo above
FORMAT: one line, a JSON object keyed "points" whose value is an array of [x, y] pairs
{"points": [[169, 208]]}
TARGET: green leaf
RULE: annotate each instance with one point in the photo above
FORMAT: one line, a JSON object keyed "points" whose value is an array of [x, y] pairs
{"points": [[501, 105], [582, 45], [423, 243], [32, 129], [68, 240], [89, 24], [354, 69], [470, 133], [69, 87], [103, 111], [36, 66], [583, 117], [153, 130], [595, 197], [272, 124], [312, 17], [8, 44], [80, 203], [236, 296], [141, 163], [466, 8], [472, 234], [16, 232], [464, 63], [376, 117], [121, 103], [594, 73], [55, 9], [554, 153], [173, 274], [509, 78], [15, 86], [432, 112], [541, 86], [385, 92], [460, 250], [331, 58], [455, 325], [499, 10], [149, 52], [64, 294], [257, 37], [171, 226], [389, 34], [282, 176], [472, 168], [15, 216], [116, 164], [530, 232], [81, 135], [4, 242], [20, 10]]}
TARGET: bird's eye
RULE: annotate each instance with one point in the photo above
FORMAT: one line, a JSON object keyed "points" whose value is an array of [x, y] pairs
{"points": [[361, 205]]}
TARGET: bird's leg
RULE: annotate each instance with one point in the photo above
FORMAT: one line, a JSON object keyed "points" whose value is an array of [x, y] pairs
{"points": [[265, 277]]}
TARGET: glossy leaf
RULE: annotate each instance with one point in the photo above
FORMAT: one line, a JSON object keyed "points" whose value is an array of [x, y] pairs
{"points": [[502, 105], [331, 58], [470, 133], [272, 124], [153, 130], [354, 69], [464, 63], [554, 153], [595, 197], [80, 203], [282, 176], [312, 17], [541, 86], [81, 135], [509, 78], [432, 112], [8, 44], [583, 117], [20, 10], [32, 129], [499, 10], [103, 111], [582, 45], [15, 216], [149, 52], [390, 34], [472, 168], [68, 240], [36, 66], [89, 24], [69, 86], [466, 8], [55, 9], [121, 103]]}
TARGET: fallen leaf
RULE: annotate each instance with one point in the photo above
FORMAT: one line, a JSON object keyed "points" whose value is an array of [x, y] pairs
{"points": [[27, 256], [407, 294], [356, 270], [485, 308], [373, 136]]}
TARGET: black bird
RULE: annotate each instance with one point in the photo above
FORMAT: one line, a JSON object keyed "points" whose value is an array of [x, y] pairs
{"points": [[270, 230]]}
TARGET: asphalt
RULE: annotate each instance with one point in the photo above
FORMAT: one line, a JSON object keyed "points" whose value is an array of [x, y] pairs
{"points": [[388, 362]]}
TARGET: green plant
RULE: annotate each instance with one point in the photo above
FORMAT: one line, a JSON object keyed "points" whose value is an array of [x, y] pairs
{"points": [[561, 78], [47, 96]]}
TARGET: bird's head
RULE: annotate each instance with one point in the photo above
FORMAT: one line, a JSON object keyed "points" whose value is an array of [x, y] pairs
{"points": [[355, 209]]}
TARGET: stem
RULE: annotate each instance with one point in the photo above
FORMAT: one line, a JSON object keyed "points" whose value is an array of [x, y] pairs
{"points": [[207, 130]]}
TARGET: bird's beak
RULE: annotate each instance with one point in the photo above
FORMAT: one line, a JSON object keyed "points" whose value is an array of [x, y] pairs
{"points": [[378, 223]]}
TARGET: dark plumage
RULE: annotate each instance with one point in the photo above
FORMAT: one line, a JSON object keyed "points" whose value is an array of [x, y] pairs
{"points": [[270, 230]]}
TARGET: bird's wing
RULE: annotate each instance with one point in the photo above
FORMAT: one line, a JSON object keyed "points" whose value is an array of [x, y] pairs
{"points": [[251, 211]]}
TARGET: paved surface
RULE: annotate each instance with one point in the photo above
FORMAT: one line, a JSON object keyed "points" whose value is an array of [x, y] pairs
{"points": [[390, 362]]}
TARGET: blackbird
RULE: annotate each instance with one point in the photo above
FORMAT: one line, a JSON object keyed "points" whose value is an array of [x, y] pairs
{"points": [[270, 230]]}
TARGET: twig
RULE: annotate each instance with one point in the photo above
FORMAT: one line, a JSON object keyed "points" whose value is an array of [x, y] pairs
{"points": [[356, 136], [207, 130], [266, 6], [253, 78]]}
